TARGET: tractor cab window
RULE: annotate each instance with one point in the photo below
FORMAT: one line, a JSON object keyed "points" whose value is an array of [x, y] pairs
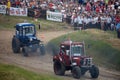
{"points": [[19, 31], [28, 30], [76, 50]]}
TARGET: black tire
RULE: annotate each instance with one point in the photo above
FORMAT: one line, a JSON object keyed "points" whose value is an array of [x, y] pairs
{"points": [[42, 49], [76, 72], [59, 68], [25, 51], [15, 45], [94, 72]]}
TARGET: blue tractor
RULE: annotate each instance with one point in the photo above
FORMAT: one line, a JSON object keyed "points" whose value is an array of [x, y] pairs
{"points": [[25, 39]]}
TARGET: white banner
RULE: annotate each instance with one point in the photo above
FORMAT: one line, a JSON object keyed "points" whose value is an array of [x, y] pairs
{"points": [[54, 16], [3, 9], [18, 11]]}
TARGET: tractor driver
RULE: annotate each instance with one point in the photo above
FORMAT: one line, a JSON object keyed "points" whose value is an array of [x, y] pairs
{"points": [[63, 49]]}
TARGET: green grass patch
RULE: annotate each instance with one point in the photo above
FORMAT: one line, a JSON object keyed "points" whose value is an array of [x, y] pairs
{"points": [[97, 46], [8, 22], [10, 72]]}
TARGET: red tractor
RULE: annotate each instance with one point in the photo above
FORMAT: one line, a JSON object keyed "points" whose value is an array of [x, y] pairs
{"points": [[72, 57]]}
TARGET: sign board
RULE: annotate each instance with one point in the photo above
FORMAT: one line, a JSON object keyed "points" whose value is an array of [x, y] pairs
{"points": [[18, 11], [54, 16], [3, 9]]}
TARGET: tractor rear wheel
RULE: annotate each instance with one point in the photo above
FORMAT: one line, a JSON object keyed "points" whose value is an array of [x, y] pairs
{"points": [[59, 68], [25, 51], [76, 72], [94, 72], [15, 45]]}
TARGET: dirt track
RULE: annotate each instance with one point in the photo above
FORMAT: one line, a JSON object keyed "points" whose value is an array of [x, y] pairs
{"points": [[41, 64]]}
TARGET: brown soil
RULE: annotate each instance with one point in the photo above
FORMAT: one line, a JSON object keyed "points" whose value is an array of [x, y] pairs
{"points": [[42, 64]]}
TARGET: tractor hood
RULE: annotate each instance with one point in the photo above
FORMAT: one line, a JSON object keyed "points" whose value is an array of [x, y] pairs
{"points": [[31, 38], [80, 60]]}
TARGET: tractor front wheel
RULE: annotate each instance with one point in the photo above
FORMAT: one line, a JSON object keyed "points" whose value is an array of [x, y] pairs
{"points": [[76, 72], [25, 51], [15, 45], [59, 68], [94, 72], [42, 49]]}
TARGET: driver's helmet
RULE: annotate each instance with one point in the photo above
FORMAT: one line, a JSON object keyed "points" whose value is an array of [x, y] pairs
{"points": [[63, 47]]}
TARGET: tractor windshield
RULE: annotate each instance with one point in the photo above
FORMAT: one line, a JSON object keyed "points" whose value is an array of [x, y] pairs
{"points": [[76, 50], [28, 30]]}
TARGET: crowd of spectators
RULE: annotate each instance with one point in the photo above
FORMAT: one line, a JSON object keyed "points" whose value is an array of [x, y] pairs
{"points": [[79, 13]]}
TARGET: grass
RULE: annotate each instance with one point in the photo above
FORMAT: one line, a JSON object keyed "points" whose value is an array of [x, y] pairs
{"points": [[8, 22], [98, 46], [10, 72]]}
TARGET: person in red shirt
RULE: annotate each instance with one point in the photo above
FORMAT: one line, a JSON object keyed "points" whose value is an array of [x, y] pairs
{"points": [[88, 7], [97, 9], [117, 18], [17, 3]]}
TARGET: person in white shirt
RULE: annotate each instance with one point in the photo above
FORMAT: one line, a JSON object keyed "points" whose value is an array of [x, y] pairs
{"points": [[80, 21], [102, 22], [85, 22], [109, 20], [75, 22]]}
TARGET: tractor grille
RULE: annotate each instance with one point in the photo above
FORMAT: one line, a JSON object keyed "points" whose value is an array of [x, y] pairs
{"points": [[87, 62], [34, 42]]}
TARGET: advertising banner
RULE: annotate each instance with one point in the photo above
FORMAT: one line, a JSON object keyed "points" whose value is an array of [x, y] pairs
{"points": [[54, 16], [18, 11], [3, 9]]}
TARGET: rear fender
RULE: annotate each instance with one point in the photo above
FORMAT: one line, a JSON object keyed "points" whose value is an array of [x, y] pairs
{"points": [[57, 58]]}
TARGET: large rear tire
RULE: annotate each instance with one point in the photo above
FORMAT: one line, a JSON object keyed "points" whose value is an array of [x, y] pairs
{"points": [[76, 72], [94, 72], [15, 45], [59, 68]]}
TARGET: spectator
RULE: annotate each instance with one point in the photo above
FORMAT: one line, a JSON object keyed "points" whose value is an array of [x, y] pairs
{"points": [[118, 29], [17, 3], [80, 21], [39, 26], [112, 26], [8, 7], [109, 20]]}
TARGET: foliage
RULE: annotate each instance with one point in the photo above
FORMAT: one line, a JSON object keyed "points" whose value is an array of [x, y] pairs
{"points": [[10, 72]]}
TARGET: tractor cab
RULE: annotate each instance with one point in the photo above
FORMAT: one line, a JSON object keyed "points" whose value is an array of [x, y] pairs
{"points": [[71, 50], [26, 33], [77, 49], [25, 29]]}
